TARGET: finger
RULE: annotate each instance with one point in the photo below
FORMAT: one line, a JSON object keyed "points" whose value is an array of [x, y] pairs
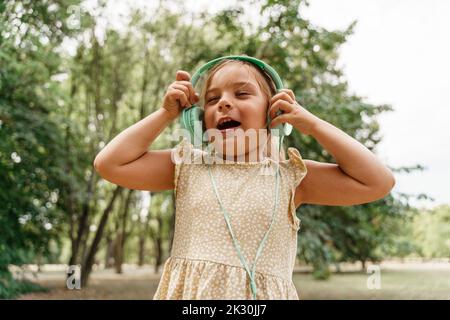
{"points": [[181, 97], [182, 88], [182, 75], [290, 93], [280, 105], [279, 120], [193, 96], [284, 96]]}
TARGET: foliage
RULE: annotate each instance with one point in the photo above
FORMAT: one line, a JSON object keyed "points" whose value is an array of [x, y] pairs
{"points": [[30, 147], [431, 232], [52, 195]]}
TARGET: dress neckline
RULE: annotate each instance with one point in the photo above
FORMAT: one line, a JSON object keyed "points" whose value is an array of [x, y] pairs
{"points": [[214, 158]]}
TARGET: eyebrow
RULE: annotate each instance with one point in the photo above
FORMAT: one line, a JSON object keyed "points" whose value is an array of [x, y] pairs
{"points": [[235, 84]]}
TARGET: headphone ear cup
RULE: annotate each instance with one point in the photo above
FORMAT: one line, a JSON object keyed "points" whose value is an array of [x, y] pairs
{"points": [[192, 120], [284, 129], [287, 129]]}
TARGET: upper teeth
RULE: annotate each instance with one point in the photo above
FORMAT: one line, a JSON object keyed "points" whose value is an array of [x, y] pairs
{"points": [[225, 120]]}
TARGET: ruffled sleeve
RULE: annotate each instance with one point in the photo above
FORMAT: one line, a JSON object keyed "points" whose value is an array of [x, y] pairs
{"points": [[297, 171], [184, 153], [181, 154], [297, 166]]}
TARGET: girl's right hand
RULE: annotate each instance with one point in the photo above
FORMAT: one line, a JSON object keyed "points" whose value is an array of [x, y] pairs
{"points": [[180, 94]]}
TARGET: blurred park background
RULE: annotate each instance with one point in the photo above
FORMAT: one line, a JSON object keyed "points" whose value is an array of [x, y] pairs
{"points": [[75, 73]]}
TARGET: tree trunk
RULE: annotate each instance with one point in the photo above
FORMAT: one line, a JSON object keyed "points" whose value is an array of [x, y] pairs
{"points": [[86, 267], [84, 245], [158, 256], [118, 253], [70, 203], [109, 252], [82, 222], [122, 234], [141, 250]]}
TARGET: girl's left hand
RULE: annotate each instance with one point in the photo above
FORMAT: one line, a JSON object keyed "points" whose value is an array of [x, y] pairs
{"points": [[293, 112]]}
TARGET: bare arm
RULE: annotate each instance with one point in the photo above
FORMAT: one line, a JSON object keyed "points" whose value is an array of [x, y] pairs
{"points": [[358, 177], [125, 160]]}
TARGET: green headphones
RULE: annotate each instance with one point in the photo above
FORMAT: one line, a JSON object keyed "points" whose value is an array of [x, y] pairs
{"points": [[192, 118]]}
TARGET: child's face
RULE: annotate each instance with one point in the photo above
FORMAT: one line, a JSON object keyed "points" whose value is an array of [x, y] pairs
{"points": [[227, 96]]}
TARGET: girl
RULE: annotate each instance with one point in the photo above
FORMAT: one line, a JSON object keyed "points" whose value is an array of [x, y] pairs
{"points": [[217, 256]]}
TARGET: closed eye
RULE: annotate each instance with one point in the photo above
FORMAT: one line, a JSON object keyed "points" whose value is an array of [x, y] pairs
{"points": [[213, 98], [238, 94]]}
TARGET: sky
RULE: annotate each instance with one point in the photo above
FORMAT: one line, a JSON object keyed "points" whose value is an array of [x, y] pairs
{"points": [[398, 55]]}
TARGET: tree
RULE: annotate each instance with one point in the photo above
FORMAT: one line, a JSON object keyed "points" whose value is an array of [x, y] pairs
{"points": [[31, 150], [431, 232]]}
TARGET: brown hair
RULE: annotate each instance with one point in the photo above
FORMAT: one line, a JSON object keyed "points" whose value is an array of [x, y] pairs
{"points": [[265, 83]]}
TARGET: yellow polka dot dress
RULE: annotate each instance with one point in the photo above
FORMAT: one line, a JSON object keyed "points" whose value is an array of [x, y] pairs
{"points": [[203, 263]]}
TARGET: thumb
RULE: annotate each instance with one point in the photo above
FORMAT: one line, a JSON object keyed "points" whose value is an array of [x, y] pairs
{"points": [[183, 76], [278, 120]]}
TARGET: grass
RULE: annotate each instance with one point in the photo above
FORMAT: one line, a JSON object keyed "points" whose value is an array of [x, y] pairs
{"points": [[394, 284], [401, 282]]}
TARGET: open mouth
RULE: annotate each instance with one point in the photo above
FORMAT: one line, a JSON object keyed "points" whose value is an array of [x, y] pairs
{"points": [[228, 125]]}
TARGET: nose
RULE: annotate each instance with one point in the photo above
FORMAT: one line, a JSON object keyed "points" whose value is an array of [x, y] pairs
{"points": [[224, 104]]}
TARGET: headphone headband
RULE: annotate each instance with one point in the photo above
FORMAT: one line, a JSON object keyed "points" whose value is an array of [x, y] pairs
{"points": [[261, 64]]}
